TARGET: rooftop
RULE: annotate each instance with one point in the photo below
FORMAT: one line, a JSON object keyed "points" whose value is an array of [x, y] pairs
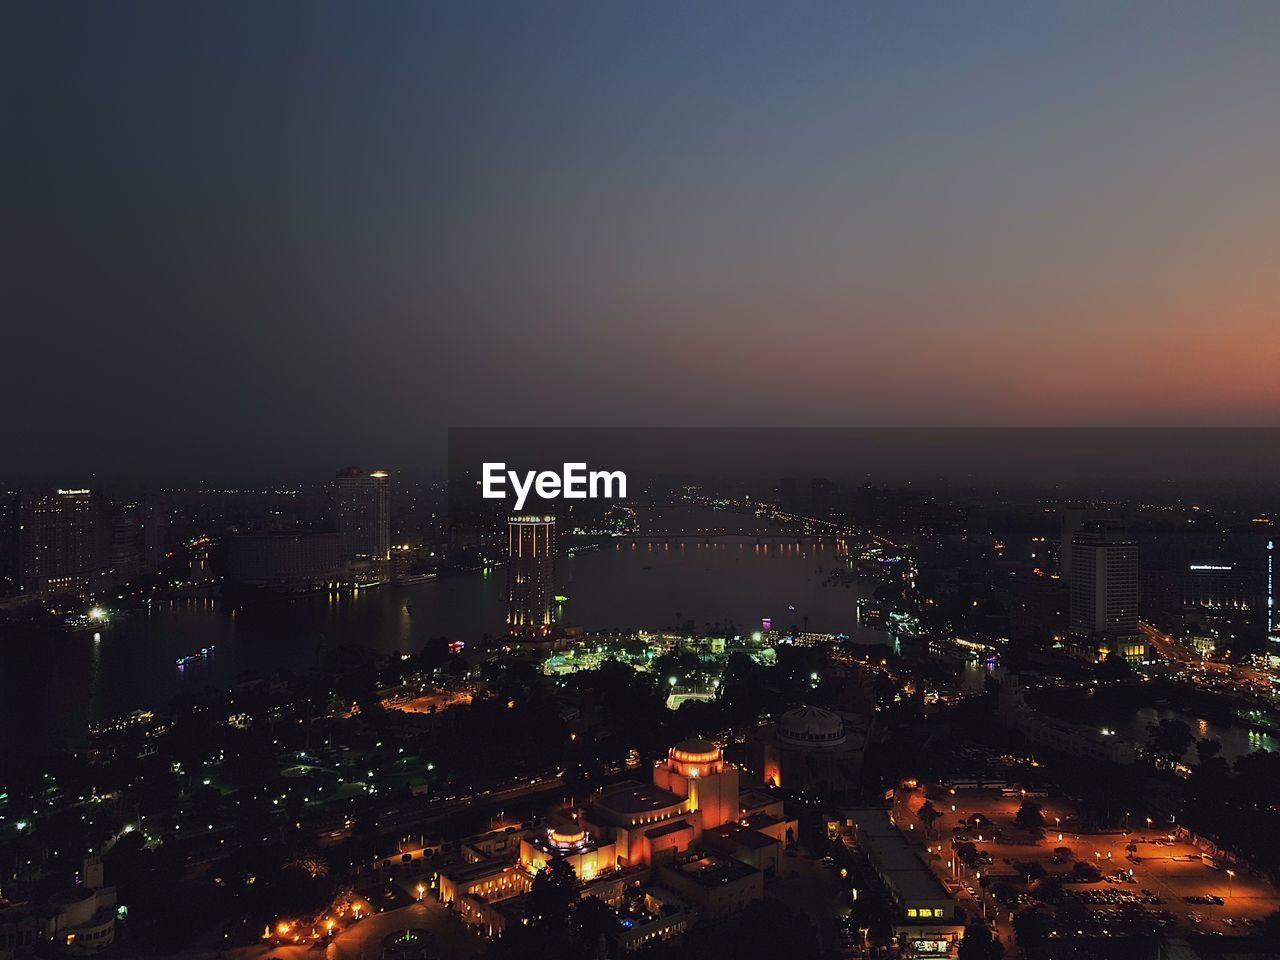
{"points": [[467, 872], [738, 835], [898, 861], [711, 870], [672, 826], [632, 798]]}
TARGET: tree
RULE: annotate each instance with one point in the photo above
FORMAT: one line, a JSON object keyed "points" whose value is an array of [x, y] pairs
{"points": [[928, 815], [1169, 739], [553, 894], [1030, 815], [1030, 926], [1271, 927], [549, 933], [1030, 869], [1086, 872], [1116, 669], [1049, 889], [1207, 749], [595, 923], [979, 944]]}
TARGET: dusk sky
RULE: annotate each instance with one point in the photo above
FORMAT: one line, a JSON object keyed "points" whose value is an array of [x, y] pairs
{"points": [[305, 234]]}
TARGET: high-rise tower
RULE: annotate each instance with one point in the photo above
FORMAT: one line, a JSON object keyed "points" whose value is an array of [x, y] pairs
{"points": [[531, 554], [1104, 592], [63, 543], [364, 522]]}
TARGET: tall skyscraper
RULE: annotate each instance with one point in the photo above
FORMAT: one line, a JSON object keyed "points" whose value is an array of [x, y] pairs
{"points": [[1104, 593], [134, 543], [1072, 521], [63, 543], [364, 522], [1273, 625], [1273, 615], [531, 558]]}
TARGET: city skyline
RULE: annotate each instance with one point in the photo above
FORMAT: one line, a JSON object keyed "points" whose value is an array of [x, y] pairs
{"points": [[579, 481]]}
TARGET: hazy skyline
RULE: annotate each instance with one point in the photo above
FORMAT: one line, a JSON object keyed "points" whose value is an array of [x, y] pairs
{"points": [[306, 234]]}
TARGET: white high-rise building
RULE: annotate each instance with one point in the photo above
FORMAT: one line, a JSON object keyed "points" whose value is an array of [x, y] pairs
{"points": [[1104, 593], [364, 522]]}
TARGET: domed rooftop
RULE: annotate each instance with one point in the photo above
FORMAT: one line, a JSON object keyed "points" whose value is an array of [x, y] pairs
{"points": [[567, 836], [811, 727], [695, 750]]}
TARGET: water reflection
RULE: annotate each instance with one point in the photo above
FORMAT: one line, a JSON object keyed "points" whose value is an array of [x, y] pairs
{"points": [[56, 689]]}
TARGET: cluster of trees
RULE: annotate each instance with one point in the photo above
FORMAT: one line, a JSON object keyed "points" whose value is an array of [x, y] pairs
{"points": [[1234, 803]]}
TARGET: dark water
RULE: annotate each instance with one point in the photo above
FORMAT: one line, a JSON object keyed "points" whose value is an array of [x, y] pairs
{"points": [[1236, 740], [50, 691]]}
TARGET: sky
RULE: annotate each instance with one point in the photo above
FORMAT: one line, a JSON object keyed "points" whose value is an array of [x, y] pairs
{"points": [[288, 236]]}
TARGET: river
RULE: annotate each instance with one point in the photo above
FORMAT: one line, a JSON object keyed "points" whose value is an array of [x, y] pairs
{"points": [[51, 690]]}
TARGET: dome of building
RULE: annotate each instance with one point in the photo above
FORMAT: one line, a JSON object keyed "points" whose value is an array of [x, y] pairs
{"points": [[695, 750], [567, 836], [811, 727]]}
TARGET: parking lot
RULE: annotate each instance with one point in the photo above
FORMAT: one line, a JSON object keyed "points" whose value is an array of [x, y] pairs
{"points": [[1150, 874]]}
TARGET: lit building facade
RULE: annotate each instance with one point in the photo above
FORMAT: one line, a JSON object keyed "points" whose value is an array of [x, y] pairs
{"points": [[63, 543], [531, 558], [693, 790], [696, 769], [571, 842], [925, 921], [1104, 593], [632, 833], [364, 522]]}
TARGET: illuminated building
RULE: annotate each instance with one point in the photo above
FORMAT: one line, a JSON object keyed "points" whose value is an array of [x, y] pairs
{"points": [[531, 546], [473, 888], [1104, 594], [1273, 625], [925, 921], [364, 523], [569, 841], [693, 790], [811, 749], [696, 769], [63, 543], [1273, 615], [78, 921], [1218, 586], [632, 832], [635, 824]]}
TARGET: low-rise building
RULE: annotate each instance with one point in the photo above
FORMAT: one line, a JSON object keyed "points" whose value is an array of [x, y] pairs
{"points": [[924, 911], [718, 886]]}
